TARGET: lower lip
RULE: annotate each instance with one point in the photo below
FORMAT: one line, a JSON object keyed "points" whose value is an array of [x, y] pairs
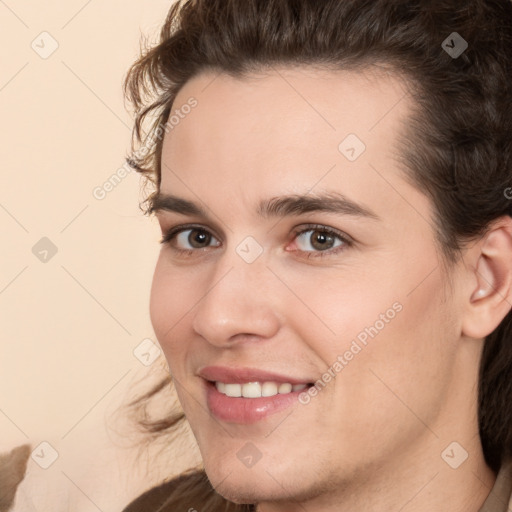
{"points": [[247, 410]]}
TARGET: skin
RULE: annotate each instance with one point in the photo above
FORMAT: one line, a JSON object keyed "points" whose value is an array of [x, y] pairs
{"points": [[372, 438]]}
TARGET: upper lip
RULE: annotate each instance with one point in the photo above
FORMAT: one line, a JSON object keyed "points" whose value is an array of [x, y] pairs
{"points": [[243, 374]]}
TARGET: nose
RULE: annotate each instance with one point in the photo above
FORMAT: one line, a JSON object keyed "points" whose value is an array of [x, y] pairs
{"points": [[239, 303]]}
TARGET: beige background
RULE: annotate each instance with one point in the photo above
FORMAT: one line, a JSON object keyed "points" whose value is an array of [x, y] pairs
{"points": [[70, 323]]}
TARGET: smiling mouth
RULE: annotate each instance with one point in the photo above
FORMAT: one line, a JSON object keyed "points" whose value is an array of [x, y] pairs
{"points": [[258, 389], [251, 402]]}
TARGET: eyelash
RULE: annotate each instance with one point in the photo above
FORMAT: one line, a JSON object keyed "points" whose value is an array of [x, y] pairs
{"points": [[171, 234]]}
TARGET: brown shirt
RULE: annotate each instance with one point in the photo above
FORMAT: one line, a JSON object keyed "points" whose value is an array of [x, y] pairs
{"points": [[499, 499]]}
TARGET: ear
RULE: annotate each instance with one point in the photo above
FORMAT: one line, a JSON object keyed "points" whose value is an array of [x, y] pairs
{"points": [[490, 266]]}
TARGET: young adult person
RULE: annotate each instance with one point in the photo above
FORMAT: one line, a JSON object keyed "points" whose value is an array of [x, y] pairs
{"points": [[333, 293]]}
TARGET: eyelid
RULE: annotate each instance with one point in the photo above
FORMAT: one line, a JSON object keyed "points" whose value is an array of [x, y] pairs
{"points": [[171, 233], [303, 228]]}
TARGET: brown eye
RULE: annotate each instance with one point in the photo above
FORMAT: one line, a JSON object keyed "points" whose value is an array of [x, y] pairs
{"points": [[188, 239], [317, 239], [321, 240], [198, 238]]}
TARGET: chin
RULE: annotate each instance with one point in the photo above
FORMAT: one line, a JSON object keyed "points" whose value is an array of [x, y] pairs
{"points": [[241, 487], [253, 486], [245, 493]]}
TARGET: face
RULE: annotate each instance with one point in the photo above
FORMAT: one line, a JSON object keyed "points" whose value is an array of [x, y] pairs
{"points": [[276, 285]]}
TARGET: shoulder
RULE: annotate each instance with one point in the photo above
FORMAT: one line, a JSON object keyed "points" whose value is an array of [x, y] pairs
{"points": [[189, 491], [153, 499]]}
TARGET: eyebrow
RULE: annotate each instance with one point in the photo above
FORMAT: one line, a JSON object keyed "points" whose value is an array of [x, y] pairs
{"points": [[331, 202]]}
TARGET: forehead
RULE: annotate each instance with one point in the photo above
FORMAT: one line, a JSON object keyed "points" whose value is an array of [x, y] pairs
{"points": [[288, 130], [282, 105]]}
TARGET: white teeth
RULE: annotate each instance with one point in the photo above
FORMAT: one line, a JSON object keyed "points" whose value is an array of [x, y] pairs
{"points": [[251, 390], [269, 389], [257, 389], [233, 390], [285, 387]]}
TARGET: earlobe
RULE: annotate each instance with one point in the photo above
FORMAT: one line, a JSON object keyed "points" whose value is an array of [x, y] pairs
{"points": [[491, 298]]}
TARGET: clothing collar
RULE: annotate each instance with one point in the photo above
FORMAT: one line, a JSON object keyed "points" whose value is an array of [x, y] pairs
{"points": [[499, 499]]}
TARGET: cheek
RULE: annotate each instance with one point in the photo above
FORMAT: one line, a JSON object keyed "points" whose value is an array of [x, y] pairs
{"points": [[391, 341], [169, 303], [341, 306], [403, 365]]}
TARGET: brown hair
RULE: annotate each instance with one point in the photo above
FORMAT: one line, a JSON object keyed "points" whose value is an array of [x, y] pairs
{"points": [[457, 149]]}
